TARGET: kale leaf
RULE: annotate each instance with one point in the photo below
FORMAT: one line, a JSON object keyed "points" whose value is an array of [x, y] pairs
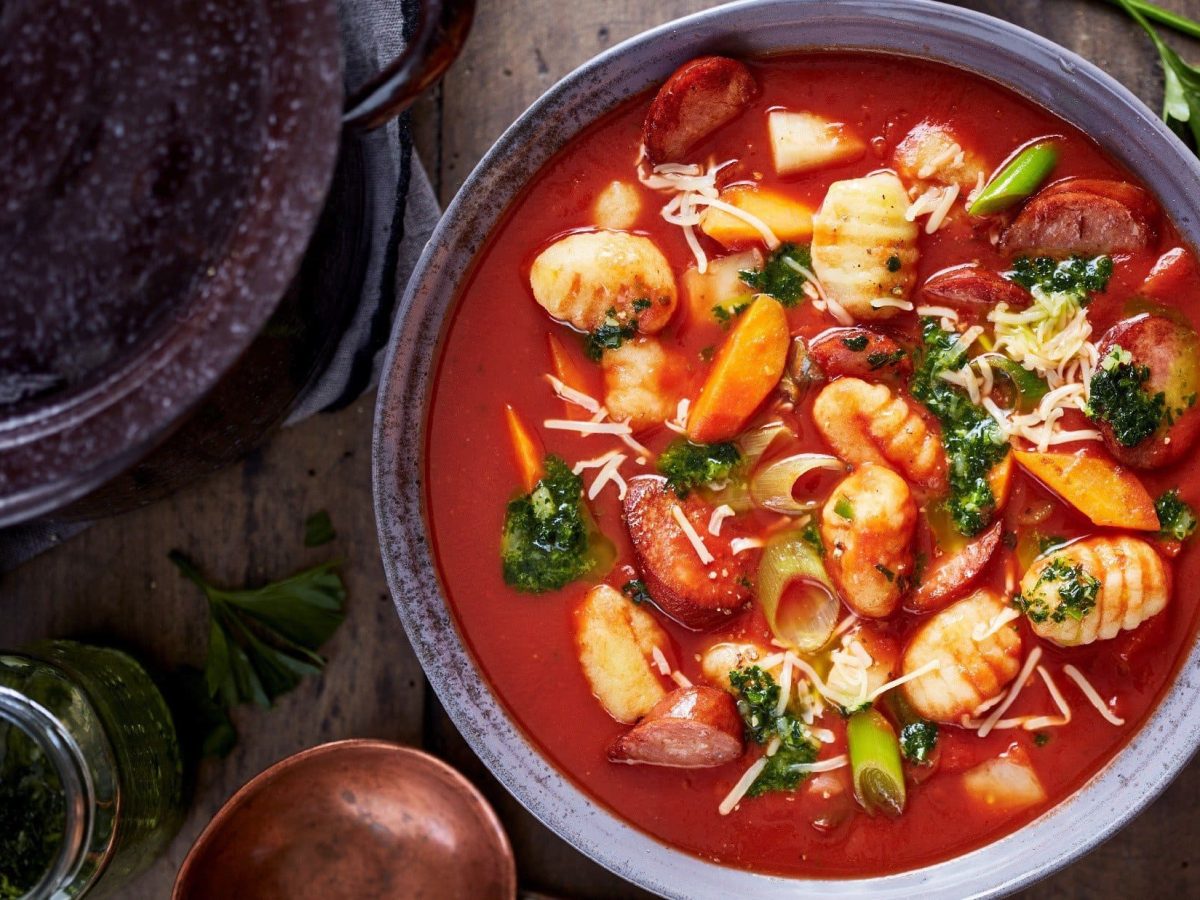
{"points": [[1076, 592], [689, 465], [546, 543], [1118, 399], [974, 443], [918, 740], [1175, 517], [783, 274]]}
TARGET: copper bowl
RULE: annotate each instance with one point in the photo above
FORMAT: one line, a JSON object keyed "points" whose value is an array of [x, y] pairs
{"points": [[352, 819]]}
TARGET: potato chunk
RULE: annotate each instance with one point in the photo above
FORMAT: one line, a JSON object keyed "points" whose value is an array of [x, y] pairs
{"points": [[641, 382], [582, 276], [1007, 782], [863, 249], [721, 285], [970, 671], [869, 522], [615, 641], [618, 206], [867, 423], [1094, 589], [934, 153], [804, 142]]}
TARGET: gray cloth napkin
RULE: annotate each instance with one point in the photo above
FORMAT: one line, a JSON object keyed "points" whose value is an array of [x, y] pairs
{"points": [[403, 211]]}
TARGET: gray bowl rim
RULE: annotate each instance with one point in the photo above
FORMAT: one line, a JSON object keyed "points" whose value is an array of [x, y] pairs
{"points": [[1052, 77]]}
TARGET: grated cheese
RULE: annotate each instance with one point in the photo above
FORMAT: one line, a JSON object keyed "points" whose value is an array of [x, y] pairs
{"points": [[785, 686], [584, 464], [930, 666], [892, 303], [1093, 697], [593, 427], [568, 394], [824, 735], [690, 532], [609, 472], [982, 632], [1026, 670], [734, 797], [822, 765], [664, 667], [935, 202], [773, 745], [679, 423], [718, 517], [741, 545], [1064, 711], [693, 189], [680, 679], [626, 438]]}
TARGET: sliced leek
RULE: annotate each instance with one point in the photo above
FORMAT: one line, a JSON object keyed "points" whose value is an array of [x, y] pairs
{"points": [[797, 598], [773, 485], [875, 763]]}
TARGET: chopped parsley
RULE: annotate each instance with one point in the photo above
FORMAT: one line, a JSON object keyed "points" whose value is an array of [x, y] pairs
{"points": [[689, 465], [546, 543], [885, 572], [725, 313], [974, 443], [611, 334], [918, 741], [1041, 738], [844, 508], [1047, 542], [636, 591], [1062, 591], [1176, 519], [857, 344], [880, 359], [1077, 275], [1118, 399], [641, 304], [782, 276], [811, 535], [893, 263], [757, 694]]}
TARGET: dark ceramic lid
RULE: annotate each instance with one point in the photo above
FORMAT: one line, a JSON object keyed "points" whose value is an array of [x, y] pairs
{"points": [[161, 168]]}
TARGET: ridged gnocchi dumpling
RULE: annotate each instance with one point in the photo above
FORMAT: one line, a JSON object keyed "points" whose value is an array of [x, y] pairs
{"points": [[932, 153], [976, 659], [1093, 589], [867, 423], [579, 278], [615, 641], [863, 248], [641, 382], [720, 659], [868, 524]]}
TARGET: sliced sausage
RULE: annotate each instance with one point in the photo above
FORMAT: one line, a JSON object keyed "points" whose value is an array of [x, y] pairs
{"points": [[1170, 274], [1168, 349], [695, 101], [696, 594], [951, 576], [1084, 216], [691, 728], [972, 289], [858, 353]]}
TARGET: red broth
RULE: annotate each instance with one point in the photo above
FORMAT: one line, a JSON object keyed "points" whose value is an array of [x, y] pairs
{"points": [[494, 351]]}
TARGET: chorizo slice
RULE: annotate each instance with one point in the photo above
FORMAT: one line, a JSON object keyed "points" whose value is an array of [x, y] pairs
{"points": [[700, 97], [1168, 349], [974, 290], [691, 728], [696, 593], [1084, 216], [858, 353], [950, 576]]}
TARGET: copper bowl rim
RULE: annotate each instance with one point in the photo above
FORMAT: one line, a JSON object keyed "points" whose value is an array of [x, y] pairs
{"points": [[231, 807]]}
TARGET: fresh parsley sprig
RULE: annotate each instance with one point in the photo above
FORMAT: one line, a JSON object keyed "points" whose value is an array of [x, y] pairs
{"points": [[1181, 94]]}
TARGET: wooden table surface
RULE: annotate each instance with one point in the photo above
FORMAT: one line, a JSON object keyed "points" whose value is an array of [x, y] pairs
{"points": [[246, 524]]}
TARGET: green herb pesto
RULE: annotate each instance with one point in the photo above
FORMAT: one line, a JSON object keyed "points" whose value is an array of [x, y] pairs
{"points": [[612, 333], [33, 813], [1118, 399], [973, 441], [757, 695], [689, 465], [783, 274], [547, 542], [1077, 275], [636, 591], [724, 314], [857, 344], [918, 740], [1176, 519], [880, 359], [1062, 591], [893, 263]]}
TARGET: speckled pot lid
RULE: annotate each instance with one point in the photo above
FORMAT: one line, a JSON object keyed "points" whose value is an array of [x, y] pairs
{"points": [[1037, 68], [161, 168]]}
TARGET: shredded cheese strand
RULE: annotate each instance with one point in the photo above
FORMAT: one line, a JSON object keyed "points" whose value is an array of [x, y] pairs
{"points": [[570, 395], [734, 797], [1026, 670], [586, 428], [1092, 695], [930, 666], [697, 542], [718, 517]]}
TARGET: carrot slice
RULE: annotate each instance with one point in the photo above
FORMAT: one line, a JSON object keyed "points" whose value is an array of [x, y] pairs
{"points": [[527, 449], [748, 366], [1105, 492], [568, 373], [1000, 480]]}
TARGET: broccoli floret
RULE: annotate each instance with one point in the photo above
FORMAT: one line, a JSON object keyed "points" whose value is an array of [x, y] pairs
{"points": [[1118, 398], [758, 694], [689, 465], [781, 277], [1175, 518], [1072, 593], [546, 542], [611, 334], [1076, 276], [918, 740], [974, 443]]}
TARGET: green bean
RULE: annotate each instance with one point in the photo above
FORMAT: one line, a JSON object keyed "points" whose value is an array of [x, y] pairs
{"points": [[875, 763], [1017, 180]]}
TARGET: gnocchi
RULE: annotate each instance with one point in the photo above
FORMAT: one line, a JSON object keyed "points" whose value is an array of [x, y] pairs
{"points": [[580, 278], [618, 206], [864, 251], [932, 153], [640, 383]]}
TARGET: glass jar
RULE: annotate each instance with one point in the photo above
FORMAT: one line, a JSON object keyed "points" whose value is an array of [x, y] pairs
{"points": [[91, 781]]}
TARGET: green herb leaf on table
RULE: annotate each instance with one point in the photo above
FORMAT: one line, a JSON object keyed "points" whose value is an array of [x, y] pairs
{"points": [[1181, 94], [263, 641], [318, 529]]}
